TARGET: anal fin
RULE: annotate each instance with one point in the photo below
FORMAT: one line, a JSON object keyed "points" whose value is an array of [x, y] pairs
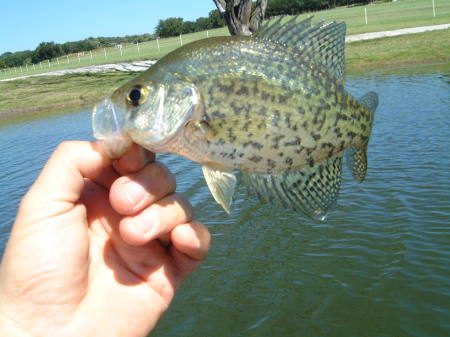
{"points": [[221, 182], [310, 190]]}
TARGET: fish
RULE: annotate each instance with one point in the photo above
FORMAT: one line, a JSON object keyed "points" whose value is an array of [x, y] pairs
{"points": [[272, 106]]}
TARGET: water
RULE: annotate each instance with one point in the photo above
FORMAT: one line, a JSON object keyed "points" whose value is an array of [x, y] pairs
{"points": [[379, 266]]}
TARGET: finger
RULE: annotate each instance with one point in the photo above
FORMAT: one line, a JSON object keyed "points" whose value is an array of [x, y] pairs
{"points": [[156, 221], [133, 160], [190, 245], [134, 192], [192, 239], [61, 181]]}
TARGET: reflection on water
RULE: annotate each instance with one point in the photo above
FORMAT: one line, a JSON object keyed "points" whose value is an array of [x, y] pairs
{"points": [[379, 266]]}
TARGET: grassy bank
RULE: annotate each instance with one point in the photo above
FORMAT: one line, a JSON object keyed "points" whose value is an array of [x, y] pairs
{"points": [[82, 90], [398, 52], [57, 92]]}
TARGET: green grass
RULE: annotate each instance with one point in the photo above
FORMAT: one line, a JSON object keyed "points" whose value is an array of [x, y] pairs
{"points": [[381, 16], [389, 15], [400, 51], [57, 92]]}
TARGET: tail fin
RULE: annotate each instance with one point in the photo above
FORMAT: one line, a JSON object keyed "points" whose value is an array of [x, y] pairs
{"points": [[357, 156]]}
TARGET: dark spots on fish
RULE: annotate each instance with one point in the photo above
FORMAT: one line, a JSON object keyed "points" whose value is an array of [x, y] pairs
{"points": [[337, 131], [316, 136], [282, 99], [217, 114], [300, 110], [226, 89], [305, 125], [256, 145], [363, 127], [255, 90], [289, 161], [341, 116], [255, 158], [243, 91], [331, 153], [287, 120], [265, 96], [276, 141], [299, 150], [241, 154], [364, 139], [246, 126], [280, 154], [310, 161], [263, 111], [271, 163], [351, 134], [342, 145], [294, 142], [295, 127], [328, 144]]}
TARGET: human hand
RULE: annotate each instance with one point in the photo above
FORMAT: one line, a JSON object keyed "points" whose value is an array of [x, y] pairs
{"points": [[98, 247]]}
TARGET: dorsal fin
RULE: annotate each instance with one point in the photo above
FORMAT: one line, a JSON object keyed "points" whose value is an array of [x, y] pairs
{"points": [[322, 43]]}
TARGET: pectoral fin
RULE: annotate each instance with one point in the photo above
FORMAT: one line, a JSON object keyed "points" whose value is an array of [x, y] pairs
{"points": [[221, 182]]}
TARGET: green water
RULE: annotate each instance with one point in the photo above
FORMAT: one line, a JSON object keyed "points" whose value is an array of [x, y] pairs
{"points": [[379, 265]]}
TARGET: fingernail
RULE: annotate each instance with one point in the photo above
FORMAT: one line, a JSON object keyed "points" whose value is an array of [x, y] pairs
{"points": [[134, 192]]}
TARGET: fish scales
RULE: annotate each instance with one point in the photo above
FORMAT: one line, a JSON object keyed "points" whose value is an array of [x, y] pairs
{"points": [[276, 110]]}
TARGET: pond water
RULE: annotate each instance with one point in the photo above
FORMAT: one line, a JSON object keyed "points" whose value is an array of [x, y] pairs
{"points": [[379, 265]]}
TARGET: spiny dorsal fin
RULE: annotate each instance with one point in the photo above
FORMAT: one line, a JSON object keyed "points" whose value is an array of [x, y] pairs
{"points": [[322, 42], [310, 190], [221, 183]]}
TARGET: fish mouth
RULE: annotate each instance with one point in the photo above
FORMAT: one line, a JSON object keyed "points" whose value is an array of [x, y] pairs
{"points": [[108, 126]]}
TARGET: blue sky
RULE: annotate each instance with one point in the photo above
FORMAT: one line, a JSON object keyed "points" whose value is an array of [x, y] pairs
{"points": [[24, 24]]}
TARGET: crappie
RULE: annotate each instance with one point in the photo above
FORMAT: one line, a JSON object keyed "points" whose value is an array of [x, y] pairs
{"points": [[272, 105]]}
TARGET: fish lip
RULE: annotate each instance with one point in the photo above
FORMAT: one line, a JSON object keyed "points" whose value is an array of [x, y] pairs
{"points": [[109, 129]]}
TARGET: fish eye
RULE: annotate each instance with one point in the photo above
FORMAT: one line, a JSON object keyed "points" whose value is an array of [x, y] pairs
{"points": [[137, 95]]}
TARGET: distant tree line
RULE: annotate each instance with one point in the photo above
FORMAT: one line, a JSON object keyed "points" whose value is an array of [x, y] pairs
{"points": [[176, 26], [49, 50]]}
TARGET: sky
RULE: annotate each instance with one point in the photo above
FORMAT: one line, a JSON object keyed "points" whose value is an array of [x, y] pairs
{"points": [[24, 24]]}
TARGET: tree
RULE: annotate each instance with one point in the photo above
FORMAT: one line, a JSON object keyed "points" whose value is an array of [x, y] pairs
{"points": [[241, 17], [216, 19], [169, 27], [46, 51]]}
